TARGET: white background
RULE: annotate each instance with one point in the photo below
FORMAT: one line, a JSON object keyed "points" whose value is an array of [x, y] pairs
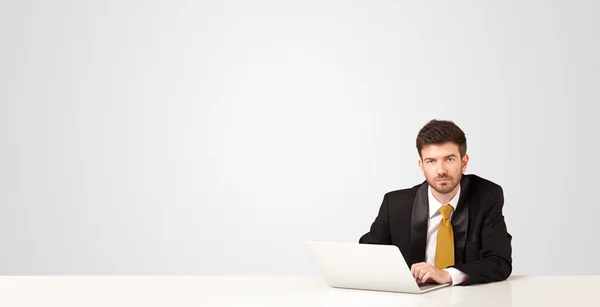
{"points": [[214, 137]]}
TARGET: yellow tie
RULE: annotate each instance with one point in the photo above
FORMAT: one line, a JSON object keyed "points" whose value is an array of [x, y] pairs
{"points": [[444, 250]]}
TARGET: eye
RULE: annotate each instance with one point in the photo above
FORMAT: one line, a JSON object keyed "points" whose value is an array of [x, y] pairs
{"points": [[450, 159]]}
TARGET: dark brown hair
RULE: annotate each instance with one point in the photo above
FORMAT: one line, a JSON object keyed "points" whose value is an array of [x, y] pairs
{"points": [[439, 132]]}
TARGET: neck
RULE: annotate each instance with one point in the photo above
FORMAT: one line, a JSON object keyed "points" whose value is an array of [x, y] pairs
{"points": [[445, 198]]}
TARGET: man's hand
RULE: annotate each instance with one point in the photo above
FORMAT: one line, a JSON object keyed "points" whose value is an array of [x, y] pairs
{"points": [[424, 272]]}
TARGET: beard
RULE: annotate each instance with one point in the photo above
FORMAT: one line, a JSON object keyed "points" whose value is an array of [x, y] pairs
{"points": [[445, 186]]}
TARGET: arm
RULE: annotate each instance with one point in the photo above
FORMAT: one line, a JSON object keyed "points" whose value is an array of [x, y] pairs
{"points": [[380, 229], [495, 253]]}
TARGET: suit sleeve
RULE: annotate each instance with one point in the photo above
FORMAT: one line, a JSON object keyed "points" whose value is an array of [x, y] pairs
{"points": [[495, 261], [380, 229]]}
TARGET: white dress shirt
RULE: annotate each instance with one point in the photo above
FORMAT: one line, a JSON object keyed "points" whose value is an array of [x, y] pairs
{"points": [[435, 217]]}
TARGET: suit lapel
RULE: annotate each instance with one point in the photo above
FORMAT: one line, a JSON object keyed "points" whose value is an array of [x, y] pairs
{"points": [[419, 220], [460, 220]]}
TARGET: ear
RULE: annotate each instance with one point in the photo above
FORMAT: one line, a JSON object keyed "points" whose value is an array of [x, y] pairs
{"points": [[421, 166], [464, 162]]}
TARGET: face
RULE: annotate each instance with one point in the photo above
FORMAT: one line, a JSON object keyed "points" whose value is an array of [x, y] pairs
{"points": [[442, 166]]}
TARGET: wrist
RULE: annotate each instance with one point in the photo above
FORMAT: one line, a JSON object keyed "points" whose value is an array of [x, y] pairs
{"points": [[448, 277]]}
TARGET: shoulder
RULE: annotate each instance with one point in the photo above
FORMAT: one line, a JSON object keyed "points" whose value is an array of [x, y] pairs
{"points": [[485, 188], [481, 184], [403, 194]]}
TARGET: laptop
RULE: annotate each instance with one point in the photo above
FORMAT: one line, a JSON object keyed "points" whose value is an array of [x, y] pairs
{"points": [[365, 267]]}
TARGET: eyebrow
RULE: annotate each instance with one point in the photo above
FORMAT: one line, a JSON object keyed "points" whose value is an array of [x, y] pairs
{"points": [[446, 157]]}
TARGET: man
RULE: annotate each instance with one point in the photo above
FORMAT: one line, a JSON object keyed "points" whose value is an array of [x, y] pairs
{"points": [[450, 228]]}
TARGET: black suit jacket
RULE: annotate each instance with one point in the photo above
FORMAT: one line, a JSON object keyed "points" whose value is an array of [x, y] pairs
{"points": [[482, 245]]}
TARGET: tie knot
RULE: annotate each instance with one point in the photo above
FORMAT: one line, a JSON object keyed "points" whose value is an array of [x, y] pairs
{"points": [[445, 210]]}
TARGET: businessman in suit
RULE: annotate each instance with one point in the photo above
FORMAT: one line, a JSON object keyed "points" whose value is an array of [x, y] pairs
{"points": [[450, 228]]}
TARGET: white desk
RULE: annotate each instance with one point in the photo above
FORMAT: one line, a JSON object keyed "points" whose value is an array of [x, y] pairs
{"points": [[278, 291]]}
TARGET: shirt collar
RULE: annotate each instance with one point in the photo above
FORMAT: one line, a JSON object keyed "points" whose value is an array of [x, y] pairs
{"points": [[434, 205]]}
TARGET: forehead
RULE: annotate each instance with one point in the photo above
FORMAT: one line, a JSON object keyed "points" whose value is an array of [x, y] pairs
{"points": [[437, 151]]}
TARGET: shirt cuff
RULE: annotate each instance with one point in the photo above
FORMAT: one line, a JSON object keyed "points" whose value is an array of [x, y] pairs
{"points": [[457, 276]]}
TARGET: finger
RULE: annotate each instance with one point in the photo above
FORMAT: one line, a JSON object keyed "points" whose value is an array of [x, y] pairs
{"points": [[424, 271], [415, 266], [426, 277], [435, 277], [415, 269]]}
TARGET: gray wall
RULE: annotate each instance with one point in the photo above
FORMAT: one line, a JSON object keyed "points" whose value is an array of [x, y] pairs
{"points": [[214, 137]]}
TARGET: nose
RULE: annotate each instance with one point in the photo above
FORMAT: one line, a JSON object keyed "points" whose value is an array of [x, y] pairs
{"points": [[441, 171]]}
